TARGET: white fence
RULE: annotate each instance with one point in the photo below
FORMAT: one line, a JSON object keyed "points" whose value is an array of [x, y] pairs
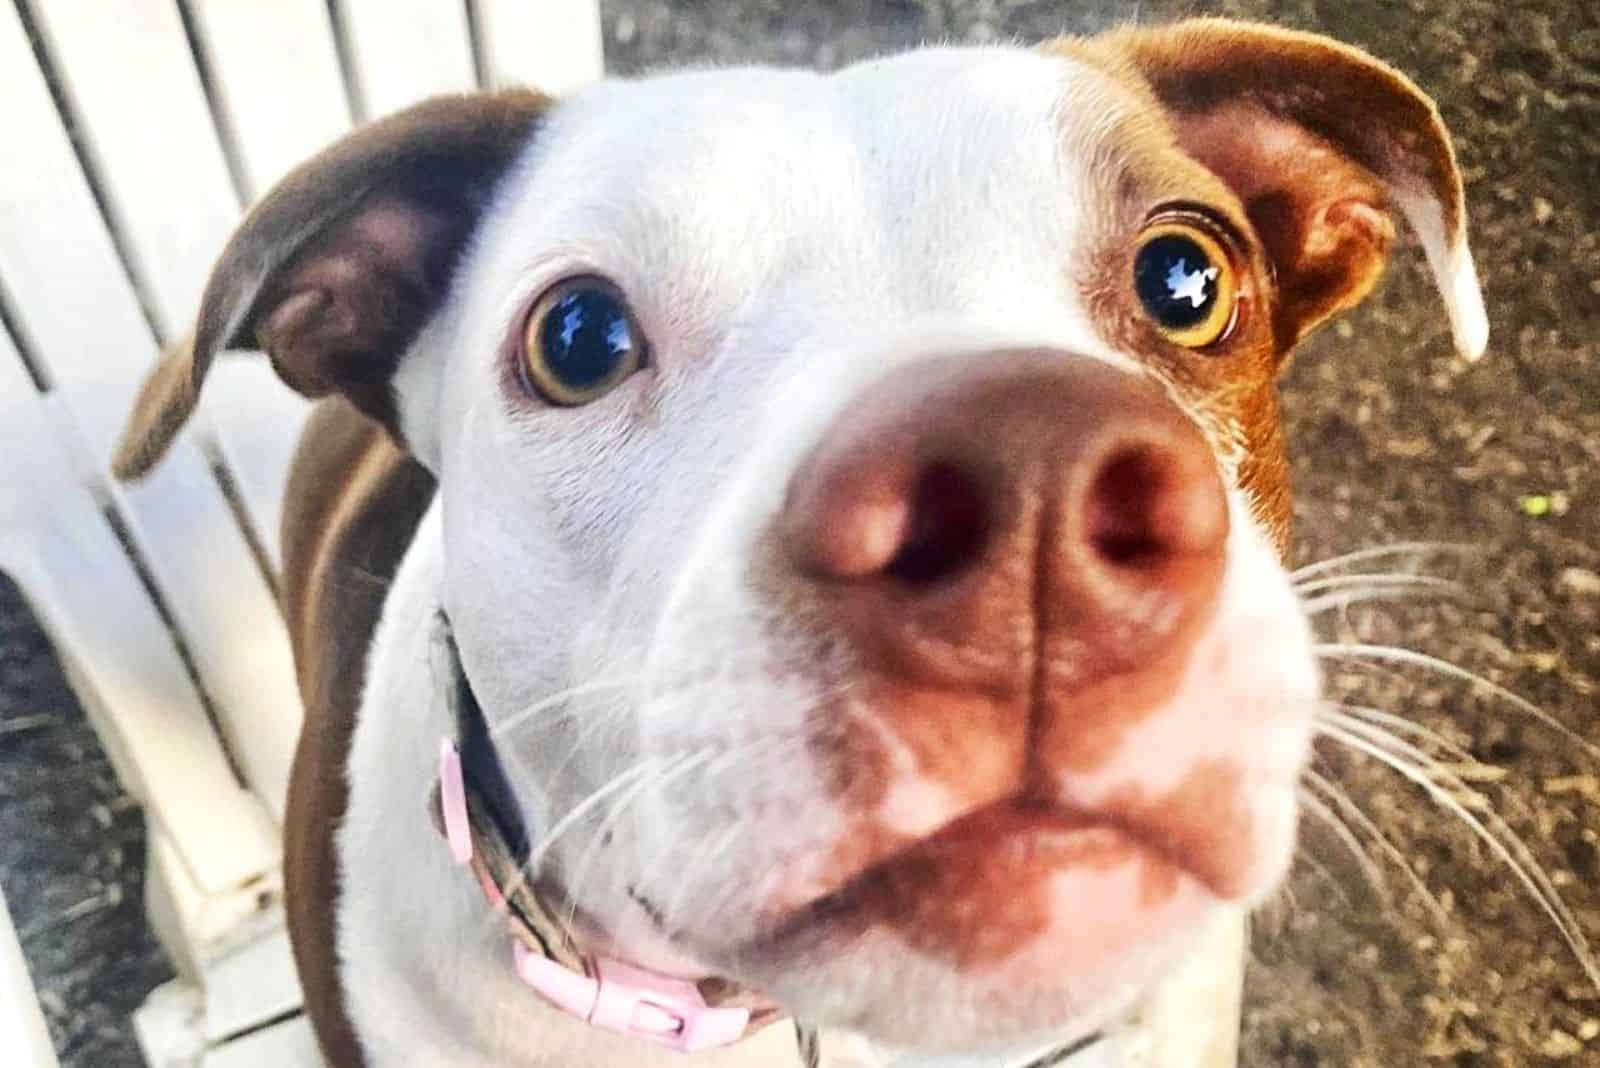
{"points": [[136, 131]]}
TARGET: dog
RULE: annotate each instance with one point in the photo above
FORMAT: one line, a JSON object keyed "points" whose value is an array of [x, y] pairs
{"points": [[781, 545]]}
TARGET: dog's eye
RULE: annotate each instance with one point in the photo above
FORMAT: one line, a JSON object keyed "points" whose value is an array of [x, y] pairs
{"points": [[580, 342], [1185, 281]]}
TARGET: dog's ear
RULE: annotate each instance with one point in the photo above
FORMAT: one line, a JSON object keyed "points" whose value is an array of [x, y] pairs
{"points": [[1316, 139], [335, 271]]}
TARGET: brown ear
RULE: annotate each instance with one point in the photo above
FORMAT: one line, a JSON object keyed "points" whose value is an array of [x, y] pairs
{"points": [[335, 271], [1315, 138]]}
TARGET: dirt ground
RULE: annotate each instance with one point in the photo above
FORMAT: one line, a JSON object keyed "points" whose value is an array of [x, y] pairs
{"points": [[1395, 440]]}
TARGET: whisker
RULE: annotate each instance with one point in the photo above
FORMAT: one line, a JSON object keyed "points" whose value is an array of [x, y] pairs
{"points": [[596, 798], [1377, 581], [1330, 602], [1378, 718], [1402, 548], [1463, 764], [1315, 863], [516, 719], [1442, 788], [761, 748], [671, 914], [1359, 651], [1374, 875], [1354, 811], [665, 775], [1340, 591]]}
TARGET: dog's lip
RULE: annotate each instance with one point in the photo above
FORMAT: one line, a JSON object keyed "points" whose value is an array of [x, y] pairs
{"points": [[966, 840]]}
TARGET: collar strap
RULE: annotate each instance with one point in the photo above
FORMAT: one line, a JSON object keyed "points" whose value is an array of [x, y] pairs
{"points": [[600, 991], [477, 812]]}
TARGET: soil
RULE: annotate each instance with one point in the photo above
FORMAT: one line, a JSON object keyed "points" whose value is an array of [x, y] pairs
{"points": [[1396, 440]]}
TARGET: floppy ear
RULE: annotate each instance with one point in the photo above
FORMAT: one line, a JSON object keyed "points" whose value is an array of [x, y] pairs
{"points": [[1316, 138], [335, 271]]}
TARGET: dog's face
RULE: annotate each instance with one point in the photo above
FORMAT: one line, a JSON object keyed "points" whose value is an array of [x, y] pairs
{"points": [[863, 494]]}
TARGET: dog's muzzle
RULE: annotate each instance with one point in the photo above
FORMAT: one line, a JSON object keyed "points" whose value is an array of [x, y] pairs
{"points": [[474, 808]]}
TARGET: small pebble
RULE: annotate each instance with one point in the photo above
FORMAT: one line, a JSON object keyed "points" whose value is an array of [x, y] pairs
{"points": [[1579, 581], [1560, 1044]]}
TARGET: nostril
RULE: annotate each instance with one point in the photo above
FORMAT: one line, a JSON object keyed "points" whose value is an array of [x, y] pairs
{"points": [[947, 529], [1151, 504]]}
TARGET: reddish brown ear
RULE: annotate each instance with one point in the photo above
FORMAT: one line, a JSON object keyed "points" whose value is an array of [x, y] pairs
{"points": [[1316, 138], [336, 270]]}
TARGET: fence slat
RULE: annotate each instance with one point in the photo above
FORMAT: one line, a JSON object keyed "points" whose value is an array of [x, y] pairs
{"points": [[81, 318], [405, 50], [553, 45], [290, 1044], [116, 649], [147, 125], [260, 419], [277, 78], [250, 986], [22, 1026]]}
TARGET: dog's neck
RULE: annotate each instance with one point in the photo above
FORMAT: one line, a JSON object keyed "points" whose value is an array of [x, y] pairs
{"points": [[476, 811]]}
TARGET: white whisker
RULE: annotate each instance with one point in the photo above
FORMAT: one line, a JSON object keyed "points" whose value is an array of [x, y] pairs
{"points": [[1442, 788], [516, 719], [1389, 721], [1377, 581], [1420, 549], [671, 914], [1330, 602], [1374, 875], [621, 781], [1347, 805], [1393, 654], [1313, 862], [664, 777]]}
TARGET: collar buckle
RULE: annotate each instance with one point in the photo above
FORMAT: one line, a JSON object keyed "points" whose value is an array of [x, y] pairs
{"points": [[631, 1001]]}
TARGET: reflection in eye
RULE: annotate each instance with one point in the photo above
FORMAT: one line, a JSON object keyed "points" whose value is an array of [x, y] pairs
{"points": [[1185, 282], [580, 342]]}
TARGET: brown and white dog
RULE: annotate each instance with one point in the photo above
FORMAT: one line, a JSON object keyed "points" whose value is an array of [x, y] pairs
{"points": [[857, 502]]}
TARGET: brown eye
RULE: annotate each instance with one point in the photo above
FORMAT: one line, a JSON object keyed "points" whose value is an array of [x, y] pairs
{"points": [[1185, 281], [580, 342]]}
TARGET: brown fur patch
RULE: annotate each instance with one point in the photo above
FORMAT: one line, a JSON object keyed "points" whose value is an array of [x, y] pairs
{"points": [[1204, 824], [1138, 168], [981, 892], [1287, 137], [350, 510]]}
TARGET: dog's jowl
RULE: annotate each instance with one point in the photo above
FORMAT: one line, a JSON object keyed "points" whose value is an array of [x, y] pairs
{"points": [[793, 546]]}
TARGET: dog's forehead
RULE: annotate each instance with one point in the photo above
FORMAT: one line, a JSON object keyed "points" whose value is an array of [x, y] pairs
{"points": [[911, 171]]}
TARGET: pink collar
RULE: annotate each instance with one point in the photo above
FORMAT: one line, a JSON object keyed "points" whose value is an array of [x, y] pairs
{"points": [[603, 992]]}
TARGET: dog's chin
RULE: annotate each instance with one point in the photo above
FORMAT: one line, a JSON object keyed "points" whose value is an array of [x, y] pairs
{"points": [[1013, 925]]}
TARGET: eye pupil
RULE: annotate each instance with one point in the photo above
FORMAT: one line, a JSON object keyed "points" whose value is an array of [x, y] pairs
{"points": [[1176, 281], [584, 338]]}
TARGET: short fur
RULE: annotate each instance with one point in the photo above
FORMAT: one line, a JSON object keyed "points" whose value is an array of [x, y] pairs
{"points": [[620, 576]]}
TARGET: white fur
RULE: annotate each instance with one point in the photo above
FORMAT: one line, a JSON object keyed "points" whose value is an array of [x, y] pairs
{"points": [[785, 239], [1455, 274]]}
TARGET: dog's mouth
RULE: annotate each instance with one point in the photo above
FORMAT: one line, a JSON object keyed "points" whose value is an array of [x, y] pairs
{"points": [[985, 886]]}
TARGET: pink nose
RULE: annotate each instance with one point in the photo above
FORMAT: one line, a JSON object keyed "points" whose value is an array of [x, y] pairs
{"points": [[1001, 502]]}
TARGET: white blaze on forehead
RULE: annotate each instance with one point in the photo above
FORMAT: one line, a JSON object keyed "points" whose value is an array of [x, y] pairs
{"points": [[931, 184]]}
